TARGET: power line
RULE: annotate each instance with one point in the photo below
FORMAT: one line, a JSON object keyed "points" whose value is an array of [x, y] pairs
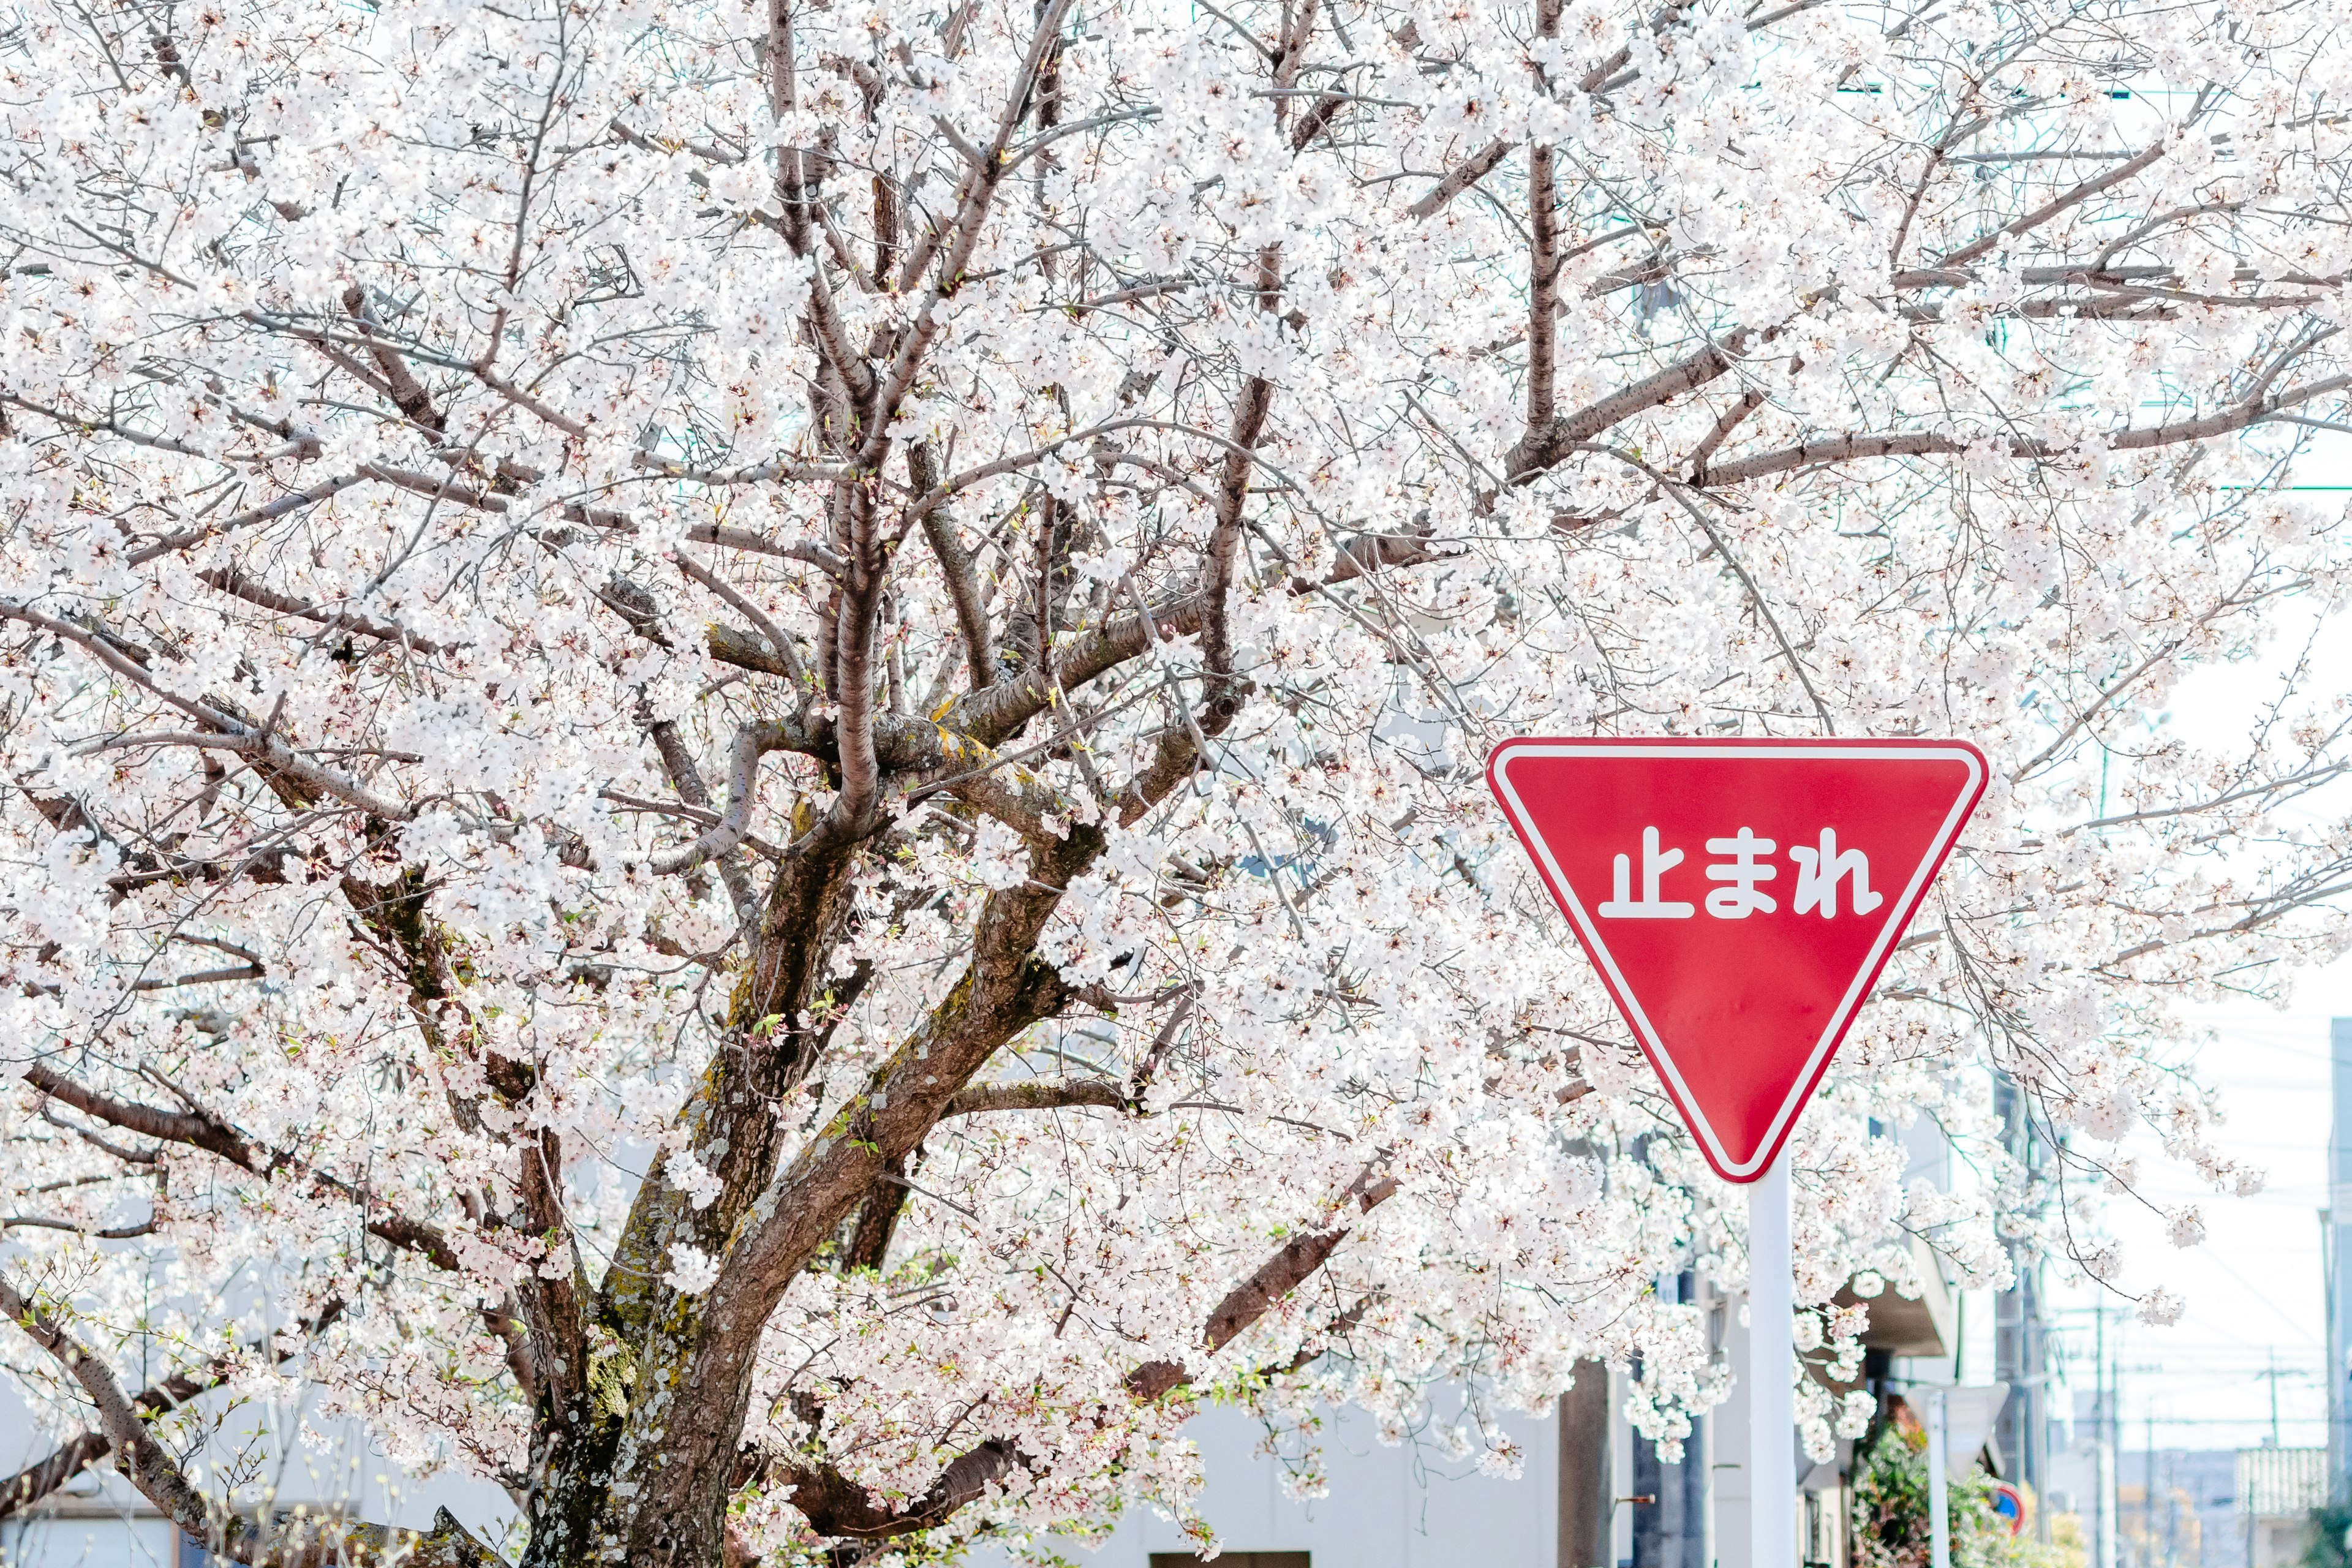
{"points": [[2320, 1421]]}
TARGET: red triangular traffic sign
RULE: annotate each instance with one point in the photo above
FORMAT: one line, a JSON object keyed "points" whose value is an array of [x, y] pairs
{"points": [[1739, 898]]}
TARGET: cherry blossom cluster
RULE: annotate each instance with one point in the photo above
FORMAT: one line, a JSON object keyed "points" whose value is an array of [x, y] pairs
{"points": [[742, 742]]}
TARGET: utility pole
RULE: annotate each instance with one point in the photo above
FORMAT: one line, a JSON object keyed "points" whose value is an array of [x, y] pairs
{"points": [[1670, 1530], [2336, 1220], [2172, 1519], [1939, 1501], [2102, 1550], [2140, 1545], [2106, 1382], [2114, 1424], [2020, 1347]]}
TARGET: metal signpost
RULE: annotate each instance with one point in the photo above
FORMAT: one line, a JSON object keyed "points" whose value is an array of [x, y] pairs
{"points": [[1939, 1501], [1739, 898]]}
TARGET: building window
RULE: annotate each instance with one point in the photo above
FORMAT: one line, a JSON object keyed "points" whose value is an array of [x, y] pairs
{"points": [[1238, 1560]]}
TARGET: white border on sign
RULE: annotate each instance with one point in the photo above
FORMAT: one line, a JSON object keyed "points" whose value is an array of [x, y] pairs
{"points": [[1499, 768]]}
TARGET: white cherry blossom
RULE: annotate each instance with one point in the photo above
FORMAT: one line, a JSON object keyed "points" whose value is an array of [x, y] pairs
{"points": [[744, 738]]}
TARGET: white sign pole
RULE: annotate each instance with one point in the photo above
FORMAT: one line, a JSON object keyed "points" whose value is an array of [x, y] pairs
{"points": [[1771, 1358], [1939, 1501]]}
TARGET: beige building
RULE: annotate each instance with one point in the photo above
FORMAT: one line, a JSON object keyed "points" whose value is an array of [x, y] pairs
{"points": [[2277, 1489]]}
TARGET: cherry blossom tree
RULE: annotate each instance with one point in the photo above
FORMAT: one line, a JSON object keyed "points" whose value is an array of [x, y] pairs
{"points": [[747, 736]]}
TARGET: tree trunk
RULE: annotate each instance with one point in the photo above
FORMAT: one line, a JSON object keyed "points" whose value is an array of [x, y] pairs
{"points": [[1584, 1477], [650, 1483]]}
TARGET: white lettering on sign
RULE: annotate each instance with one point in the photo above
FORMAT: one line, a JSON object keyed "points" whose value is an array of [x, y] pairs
{"points": [[1742, 868], [1743, 871], [1655, 864], [1820, 871]]}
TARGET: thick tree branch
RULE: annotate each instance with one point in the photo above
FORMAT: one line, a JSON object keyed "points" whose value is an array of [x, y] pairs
{"points": [[1925, 442], [1460, 178], [814, 554], [183, 1128], [408, 394], [733, 644], [1266, 1286], [677, 762], [1748, 401], [955, 565], [236, 583], [1543, 279], [836, 1506], [192, 1131], [1037, 1095], [982, 176], [1539, 451], [1247, 429], [268, 512], [77, 1453], [2056, 205], [785, 659], [752, 742]]}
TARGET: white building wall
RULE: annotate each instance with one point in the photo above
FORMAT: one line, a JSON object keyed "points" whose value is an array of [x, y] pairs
{"points": [[99, 1521], [1732, 1544], [81, 1540], [1406, 1507]]}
